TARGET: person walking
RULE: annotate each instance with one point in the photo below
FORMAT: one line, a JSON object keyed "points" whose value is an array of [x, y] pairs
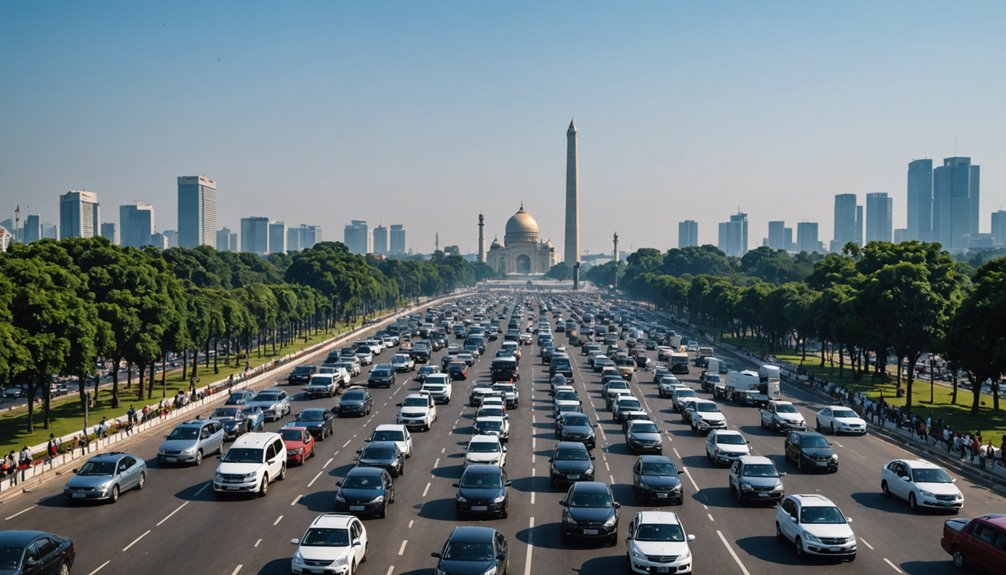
{"points": [[11, 463], [982, 454], [26, 461], [131, 419]]}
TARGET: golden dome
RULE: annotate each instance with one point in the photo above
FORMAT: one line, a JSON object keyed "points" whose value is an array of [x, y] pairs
{"points": [[521, 227]]}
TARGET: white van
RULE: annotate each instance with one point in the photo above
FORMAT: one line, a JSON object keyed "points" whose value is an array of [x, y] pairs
{"points": [[253, 461]]}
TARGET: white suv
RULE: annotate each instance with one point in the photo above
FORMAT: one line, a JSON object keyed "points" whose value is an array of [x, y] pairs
{"points": [[254, 460], [921, 484], [440, 391], [725, 446], [816, 526], [705, 416], [485, 449], [332, 544], [418, 410], [656, 543]]}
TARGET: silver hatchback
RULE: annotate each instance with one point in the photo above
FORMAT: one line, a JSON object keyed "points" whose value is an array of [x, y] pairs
{"points": [[190, 441]]}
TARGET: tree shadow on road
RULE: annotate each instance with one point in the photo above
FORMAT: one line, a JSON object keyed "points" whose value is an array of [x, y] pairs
{"points": [[768, 548]]}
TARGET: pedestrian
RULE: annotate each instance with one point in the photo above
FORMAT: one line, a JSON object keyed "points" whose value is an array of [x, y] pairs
{"points": [[131, 419], [982, 454], [975, 447], [50, 449], [26, 461], [11, 463]]}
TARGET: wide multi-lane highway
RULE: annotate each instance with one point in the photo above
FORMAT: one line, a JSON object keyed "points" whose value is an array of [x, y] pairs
{"points": [[176, 525]]}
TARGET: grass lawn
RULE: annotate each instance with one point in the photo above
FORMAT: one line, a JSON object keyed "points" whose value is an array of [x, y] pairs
{"points": [[991, 423], [66, 413]]}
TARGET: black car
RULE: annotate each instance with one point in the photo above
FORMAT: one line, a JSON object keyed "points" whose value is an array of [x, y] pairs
{"points": [[570, 462], [24, 552], [302, 374], [472, 550], [382, 375], [365, 490], [355, 401], [419, 353], [482, 490], [591, 512], [655, 478], [811, 451], [383, 454], [240, 397], [577, 427], [457, 370], [317, 420]]}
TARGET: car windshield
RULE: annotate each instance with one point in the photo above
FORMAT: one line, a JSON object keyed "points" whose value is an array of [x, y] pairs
{"points": [[490, 425], [184, 433], [483, 447], [387, 435], [481, 480], [325, 537], [415, 402], [659, 532], [571, 455], [662, 468], [706, 407], [844, 413], [353, 396], [362, 482], [813, 441], [730, 439], [466, 551], [785, 408], [380, 452], [646, 427], [267, 396], [590, 500], [828, 515], [243, 455], [684, 393], [576, 421], [760, 470], [381, 372], [95, 468], [927, 475], [311, 416], [225, 412], [491, 412], [629, 405], [291, 434]]}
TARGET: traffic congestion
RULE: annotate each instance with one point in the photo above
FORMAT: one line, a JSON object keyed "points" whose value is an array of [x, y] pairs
{"points": [[512, 432]]}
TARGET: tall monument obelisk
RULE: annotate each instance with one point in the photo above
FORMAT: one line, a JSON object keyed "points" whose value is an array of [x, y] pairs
{"points": [[482, 239], [572, 245]]}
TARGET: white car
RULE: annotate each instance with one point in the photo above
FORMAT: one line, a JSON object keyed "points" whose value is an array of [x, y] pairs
{"points": [[724, 446], [921, 484], [492, 425], [679, 395], [441, 392], [365, 355], [705, 416], [339, 542], [815, 526], [403, 362], [394, 432], [656, 542], [840, 419], [418, 410], [782, 416], [485, 449], [253, 461]]}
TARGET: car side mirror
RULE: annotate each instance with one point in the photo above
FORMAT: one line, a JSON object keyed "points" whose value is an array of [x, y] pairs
{"points": [[74, 470], [562, 502], [455, 484], [295, 541], [338, 484], [592, 458], [905, 478], [782, 474], [549, 460], [357, 542], [792, 518], [504, 449], [507, 483], [848, 519], [435, 554], [617, 505], [691, 537]]}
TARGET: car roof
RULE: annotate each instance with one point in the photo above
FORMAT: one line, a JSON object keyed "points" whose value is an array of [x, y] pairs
{"points": [[717, 432], [332, 520], [306, 409], [781, 402], [813, 500], [488, 418], [254, 439], [655, 459], [483, 469], [919, 464], [354, 388], [842, 407], [755, 460], [390, 427], [997, 519], [111, 456], [360, 470], [471, 534], [662, 517], [19, 537], [484, 439], [579, 446], [589, 486], [193, 423]]}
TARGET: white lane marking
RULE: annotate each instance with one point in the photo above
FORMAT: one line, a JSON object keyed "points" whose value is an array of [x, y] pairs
{"points": [[177, 509], [411, 521], [676, 454], [391, 569], [436, 463], [330, 459], [530, 547], [237, 570], [865, 542], [20, 512], [710, 516], [296, 499], [355, 434], [401, 550], [732, 554], [533, 472], [532, 498], [100, 567], [688, 474], [893, 566], [839, 444], [135, 541], [425, 491], [606, 466], [315, 478], [201, 489], [348, 441], [442, 450], [278, 519], [856, 454], [257, 542], [532, 459]]}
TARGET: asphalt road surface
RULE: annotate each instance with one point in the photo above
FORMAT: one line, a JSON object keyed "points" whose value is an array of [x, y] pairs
{"points": [[176, 525]]}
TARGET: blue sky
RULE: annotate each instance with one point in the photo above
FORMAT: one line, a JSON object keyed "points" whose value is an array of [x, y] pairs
{"points": [[425, 113]]}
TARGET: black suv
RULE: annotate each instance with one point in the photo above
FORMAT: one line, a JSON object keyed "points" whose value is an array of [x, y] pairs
{"points": [[302, 374], [811, 451], [591, 512], [382, 375], [355, 401]]}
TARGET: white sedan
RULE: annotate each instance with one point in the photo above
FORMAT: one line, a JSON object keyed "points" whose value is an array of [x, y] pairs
{"points": [[840, 419], [921, 484]]}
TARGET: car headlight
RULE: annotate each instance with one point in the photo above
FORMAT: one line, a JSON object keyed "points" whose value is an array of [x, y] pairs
{"points": [[106, 486], [251, 475], [745, 485], [462, 499], [339, 497], [500, 499], [377, 499], [189, 450], [611, 521], [834, 458], [490, 571], [218, 476], [344, 560], [811, 538], [686, 555], [297, 557], [637, 554], [925, 493]]}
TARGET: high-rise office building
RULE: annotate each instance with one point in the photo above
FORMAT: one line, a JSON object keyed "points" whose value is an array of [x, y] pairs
{"points": [[356, 236], [136, 225], [777, 235], [900, 235], [172, 237], [688, 233], [302, 237], [381, 241], [848, 222], [920, 200], [277, 237], [159, 241], [956, 195], [879, 212], [32, 230], [733, 235], [999, 228], [806, 237], [79, 214], [397, 240], [255, 235], [110, 233], [293, 240], [197, 211], [224, 240], [50, 231]]}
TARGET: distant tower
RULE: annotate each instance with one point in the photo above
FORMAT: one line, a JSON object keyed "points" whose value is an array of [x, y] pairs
{"points": [[436, 242], [615, 241], [482, 239], [572, 245]]}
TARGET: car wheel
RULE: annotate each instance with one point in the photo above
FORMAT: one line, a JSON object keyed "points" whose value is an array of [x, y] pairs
{"points": [[64, 569], [817, 425], [505, 512], [957, 556], [885, 489], [384, 511], [613, 540], [799, 463], [912, 503], [799, 547], [199, 457], [115, 494], [778, 531], [264, 488], [142, 481], [833, 428]]}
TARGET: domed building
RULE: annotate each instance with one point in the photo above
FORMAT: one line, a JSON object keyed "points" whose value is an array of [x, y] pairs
{"points": [[521, 252]]}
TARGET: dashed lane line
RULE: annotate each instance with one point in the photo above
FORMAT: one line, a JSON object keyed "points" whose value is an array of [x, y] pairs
{"points": [[730, 549], [857, 454], [20, 512], [411, 521], [893, 566], [436, 463], [177, 509], [688, 474], [865, 542], [315, 478], [532, 497], [296, 499], [135, 541], [330, 459], [237, 569], [278, 519], [99, 568], [425, 491], [401, 550], [258, 542], [348, 441], [710, 516], [391, 569], [201, 489], [530, 547], [442, 450]]}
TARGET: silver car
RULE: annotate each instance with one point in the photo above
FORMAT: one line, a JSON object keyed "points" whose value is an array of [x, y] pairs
{"points": [[191, 441], [274, 402], [104, 477]]}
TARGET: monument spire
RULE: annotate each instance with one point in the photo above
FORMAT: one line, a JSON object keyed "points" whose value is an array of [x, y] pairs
{"points": [[572, 243]]}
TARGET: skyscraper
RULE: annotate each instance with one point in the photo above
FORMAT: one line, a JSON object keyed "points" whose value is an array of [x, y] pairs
{"points": [[197, 211], [879, 211], [572, 245], [32, 230], [397, 240], [688, 233], [777, 235], [224, 240], [79, 214], [848, 222], [277, 237], [255, 235], [999, 228], [381, 240], [806, 237], [356, 237], [136, 224], [733, 235], [955, 202], [920, 200], [172, 237]]}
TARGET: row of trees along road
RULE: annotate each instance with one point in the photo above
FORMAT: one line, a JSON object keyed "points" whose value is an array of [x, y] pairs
{"points": [[67, 306], [883, 299]]}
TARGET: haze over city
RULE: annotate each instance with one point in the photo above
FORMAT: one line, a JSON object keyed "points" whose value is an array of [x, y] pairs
{"points": [[425, 114]]}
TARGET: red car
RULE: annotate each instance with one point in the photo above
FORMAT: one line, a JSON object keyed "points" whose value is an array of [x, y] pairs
{"points": [[299, 444]]}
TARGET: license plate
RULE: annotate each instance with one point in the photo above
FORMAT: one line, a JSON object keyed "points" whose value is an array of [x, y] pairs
{"points": [[573, 476], [763, 495], [836, 549], [661, 496], [170, 459], [356, 508], [822, 463], [480, 508], [663, 570], [590, 531], [78, 495]]}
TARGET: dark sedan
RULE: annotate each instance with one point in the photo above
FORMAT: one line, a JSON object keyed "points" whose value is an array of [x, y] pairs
{"points": [[570, 461], [655, 478], [365, 490], [382, 375], [811, 451], [482, 490], [317, 420], [457, 370], [383, 454], [591, 512], [577, 427], [24, 552], [473, 550], [355, 401], [240, 397], [302, 374]]}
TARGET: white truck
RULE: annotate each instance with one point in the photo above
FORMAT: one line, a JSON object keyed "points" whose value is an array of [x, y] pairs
{"points": [[321, 385], [754, 388], [769, 378], [716, 365]]}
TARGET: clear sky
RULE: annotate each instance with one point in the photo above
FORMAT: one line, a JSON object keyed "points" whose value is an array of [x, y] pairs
{"points": [[424, 113]]}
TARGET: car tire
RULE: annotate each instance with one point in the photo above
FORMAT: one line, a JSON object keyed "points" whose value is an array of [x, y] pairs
{"points": [[384, 511], [885, 489], [817, 425], [115, 494], [64, 568], [263, 489], [799, 547], [142, 481], [957, 557], [913, 504], [778, 532], [199, 457], [613, 540], [833, 428]]}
